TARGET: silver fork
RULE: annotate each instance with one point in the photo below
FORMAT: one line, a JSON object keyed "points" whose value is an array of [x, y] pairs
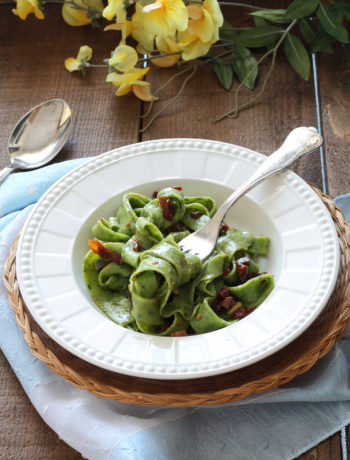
{"points": [[299, 142]]}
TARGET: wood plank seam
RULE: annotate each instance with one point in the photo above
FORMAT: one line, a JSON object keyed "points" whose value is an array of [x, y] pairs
{"points": [[320, 125]]}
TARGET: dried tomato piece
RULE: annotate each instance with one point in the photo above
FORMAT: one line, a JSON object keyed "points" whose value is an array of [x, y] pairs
{"points": [[177, 188], [136, 246], [242, 312], [224, 228], [182, 333], [223, 293], [242, 271], [168, 209], [227, 271], [226, 303], [242, 265], [176, 227], [105, 253], [155, 194], [196, 214]]}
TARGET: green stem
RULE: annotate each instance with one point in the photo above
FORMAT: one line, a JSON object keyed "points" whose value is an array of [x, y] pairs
{"points": [[156, 115], [233, 112], [158, 90], [244, 5], [96, 65], [150, 58], [177, 74]]}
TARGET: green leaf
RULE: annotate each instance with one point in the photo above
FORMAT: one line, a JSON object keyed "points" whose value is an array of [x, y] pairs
{"points": [[346, 11], [271, 15], [301, 9], [243, 63], [297, 56], [343, 8], [226, 32], [331, 23], [224, 72], [307, 30], [259, 21], [260, 36], [322, 42]]}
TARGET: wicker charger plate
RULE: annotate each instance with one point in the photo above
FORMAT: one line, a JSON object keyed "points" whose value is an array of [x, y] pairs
{"points": [[280, 368]]}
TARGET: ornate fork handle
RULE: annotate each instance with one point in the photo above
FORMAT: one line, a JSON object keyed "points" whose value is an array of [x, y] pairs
{"points": [[299, 142]]}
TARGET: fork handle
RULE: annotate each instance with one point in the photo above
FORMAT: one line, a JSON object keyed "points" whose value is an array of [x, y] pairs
{"points": [[299, 142]]}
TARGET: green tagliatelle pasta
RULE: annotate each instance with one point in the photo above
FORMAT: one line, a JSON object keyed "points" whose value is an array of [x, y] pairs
{"points": [[138, 276]]}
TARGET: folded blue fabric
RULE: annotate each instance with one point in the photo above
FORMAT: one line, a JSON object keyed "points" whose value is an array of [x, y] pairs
{"points": [[281, 423], [343, 201], [23, 188]]}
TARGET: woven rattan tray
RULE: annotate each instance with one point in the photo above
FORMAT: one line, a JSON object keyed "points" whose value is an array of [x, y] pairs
{"points": [[283, 366]]}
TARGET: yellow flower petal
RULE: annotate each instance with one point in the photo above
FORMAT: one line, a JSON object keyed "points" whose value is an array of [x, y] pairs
{"points": [[203, 28], [194, 12], [79, 17], [176, 13], [162, 17], [144, 93], [166, 45], [166, 61], [72, 64], [123, 89], [120, 78], [115, 8], [213, 9], [26, 7], [113, 27], [78, 63], [126, 88], [85, 53], [124, 58], [152, 7], [202, 31], [194, 49]]}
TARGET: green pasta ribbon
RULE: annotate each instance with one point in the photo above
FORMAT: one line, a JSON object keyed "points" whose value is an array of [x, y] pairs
{"points": [[138, 276]]}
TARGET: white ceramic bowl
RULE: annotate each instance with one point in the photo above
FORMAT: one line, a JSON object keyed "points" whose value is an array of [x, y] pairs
{"points": [[304, 257]]}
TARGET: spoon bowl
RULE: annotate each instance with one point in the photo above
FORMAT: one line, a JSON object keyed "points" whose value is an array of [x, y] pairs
{"points": [[38, 136]]}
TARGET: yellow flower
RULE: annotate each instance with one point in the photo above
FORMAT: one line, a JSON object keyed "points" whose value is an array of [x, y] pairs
{"points": [[25, 7], [127, 80], [125, 27], [81, 12], [79, 63], [203, 29], [164, 17], [124, 58], [166, 45], [115, 8]]}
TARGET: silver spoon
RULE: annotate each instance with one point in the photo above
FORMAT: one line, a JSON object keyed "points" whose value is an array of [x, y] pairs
{"points": [[38, 136], [299, 142]]}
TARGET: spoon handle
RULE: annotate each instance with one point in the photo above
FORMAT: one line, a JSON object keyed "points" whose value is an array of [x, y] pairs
{"points": [[5, 172]]}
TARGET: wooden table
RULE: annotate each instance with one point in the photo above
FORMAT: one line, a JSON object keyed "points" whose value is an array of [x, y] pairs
{"points": [[31, 61]]}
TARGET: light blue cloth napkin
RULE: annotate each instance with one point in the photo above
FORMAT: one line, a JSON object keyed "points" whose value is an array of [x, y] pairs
{"points": [[279, 424]]}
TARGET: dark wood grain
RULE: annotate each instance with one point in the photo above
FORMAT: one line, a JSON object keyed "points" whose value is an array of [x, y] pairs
{"points": [[23, 434], [330, 449], [334, 77], [31, 59]]}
